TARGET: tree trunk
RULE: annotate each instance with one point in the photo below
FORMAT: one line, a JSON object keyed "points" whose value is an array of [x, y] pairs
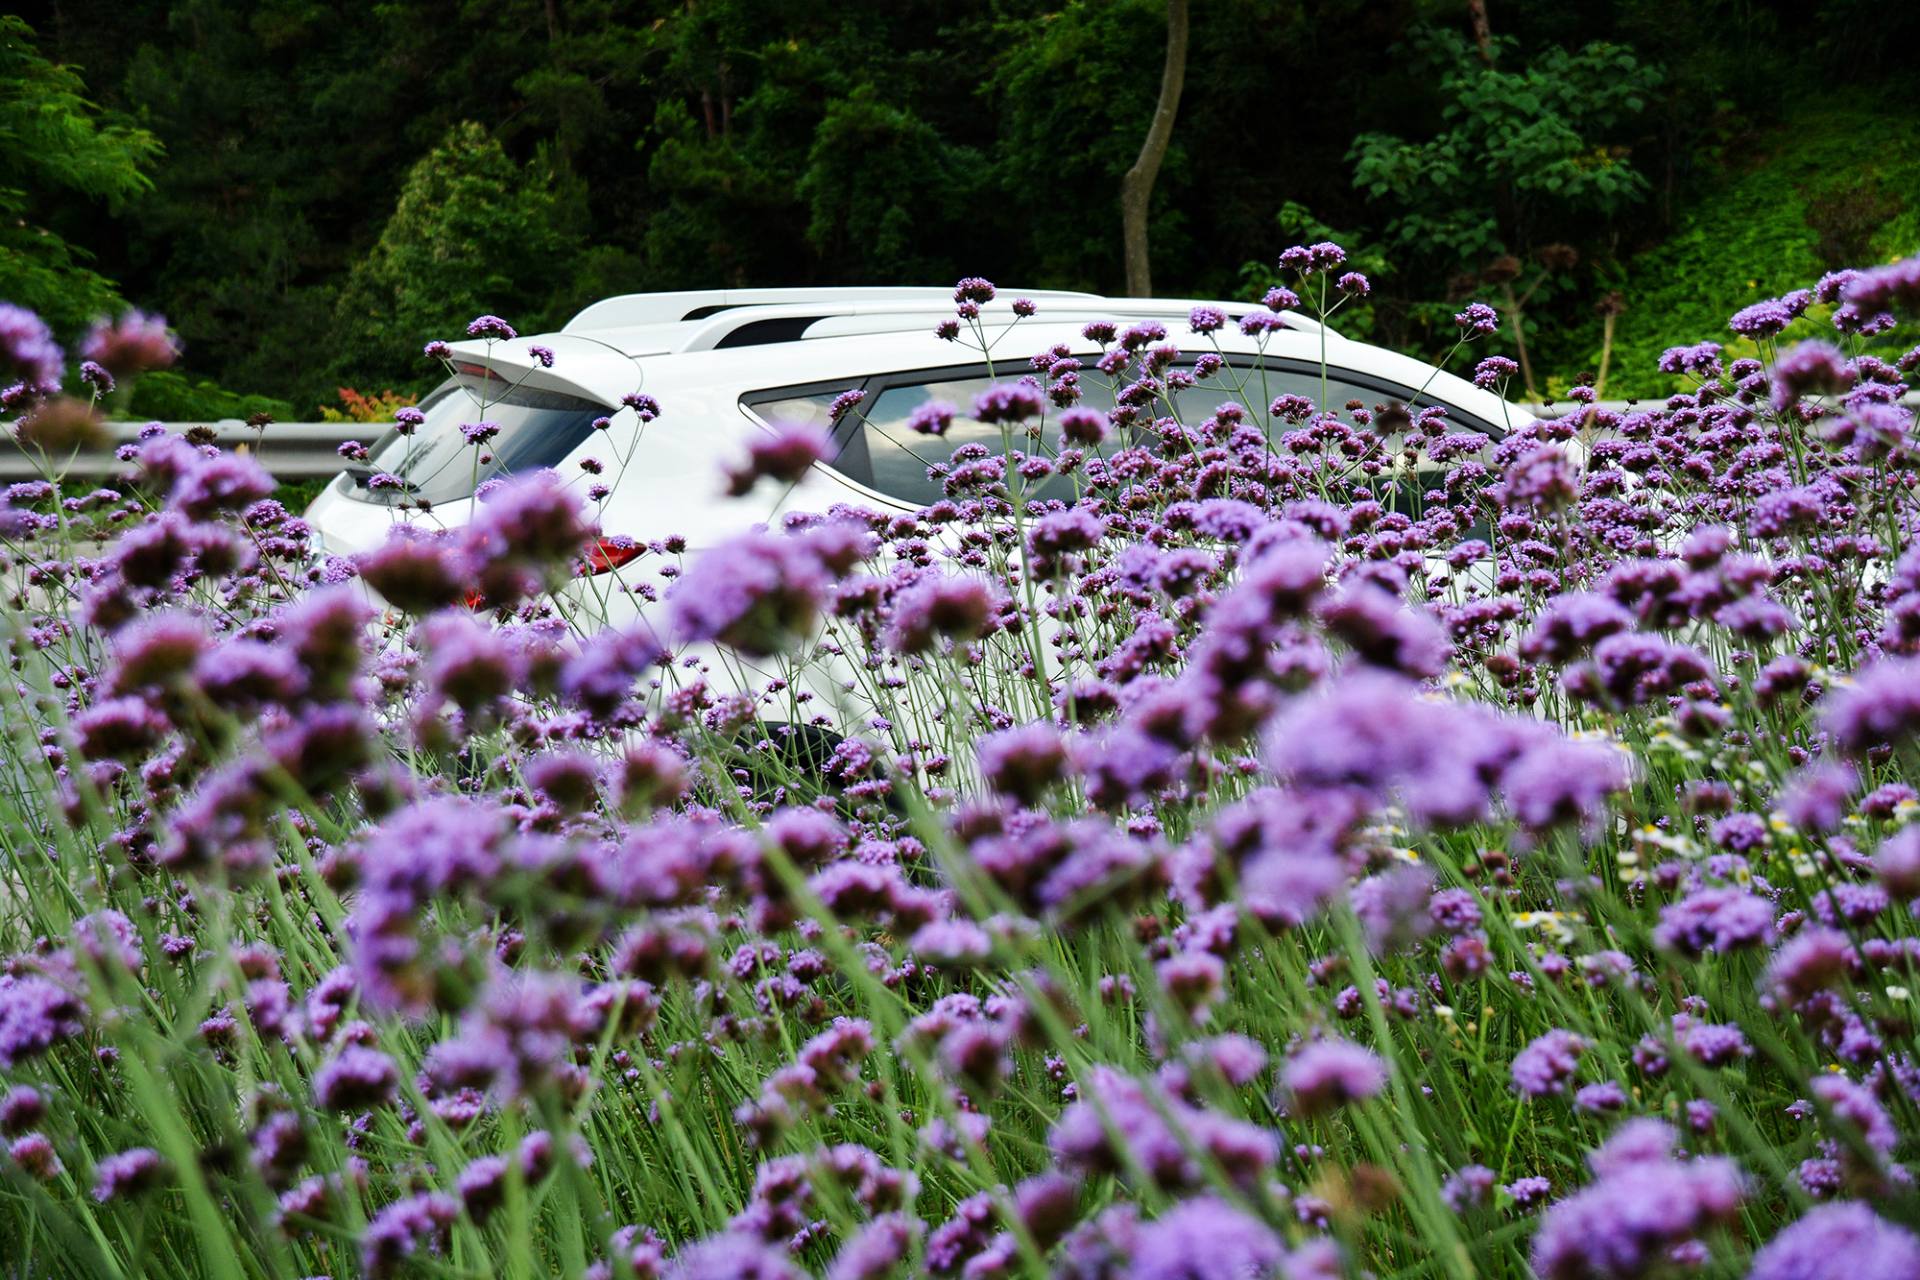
{"points": [[1482, 29], [1136, 188]]}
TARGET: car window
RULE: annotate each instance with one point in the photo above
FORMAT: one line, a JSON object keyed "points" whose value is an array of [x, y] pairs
{"points": [[536, 428], [884, 453], [875, 446], [1257, 386]]}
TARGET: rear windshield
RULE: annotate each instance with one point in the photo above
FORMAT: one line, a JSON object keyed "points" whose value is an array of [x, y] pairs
{"points": [[536, 428]]}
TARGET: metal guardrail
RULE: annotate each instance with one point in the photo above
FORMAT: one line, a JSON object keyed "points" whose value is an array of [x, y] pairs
{"points": [[290, 450]]}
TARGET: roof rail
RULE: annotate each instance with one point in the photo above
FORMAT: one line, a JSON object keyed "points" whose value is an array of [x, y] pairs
{"points": [[748, 324], [698, 304]]}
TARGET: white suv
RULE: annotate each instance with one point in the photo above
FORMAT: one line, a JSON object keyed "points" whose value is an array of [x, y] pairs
{"points": [[724, 364]]}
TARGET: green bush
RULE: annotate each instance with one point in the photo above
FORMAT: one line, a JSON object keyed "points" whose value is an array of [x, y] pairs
{"points": [[177, 397]]}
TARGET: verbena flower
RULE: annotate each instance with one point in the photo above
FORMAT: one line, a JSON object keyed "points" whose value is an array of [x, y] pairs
{"points": [[1845, 1241]]}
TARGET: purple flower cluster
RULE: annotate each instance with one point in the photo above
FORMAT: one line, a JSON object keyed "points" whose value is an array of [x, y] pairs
{"points": [[1169, 850]]}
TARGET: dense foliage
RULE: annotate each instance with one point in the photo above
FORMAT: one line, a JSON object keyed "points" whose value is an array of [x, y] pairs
{"points": [[295, 183], [1202, 869]]}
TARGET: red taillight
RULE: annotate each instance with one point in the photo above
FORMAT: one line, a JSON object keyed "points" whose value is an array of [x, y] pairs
{"points": [[607, 554]]}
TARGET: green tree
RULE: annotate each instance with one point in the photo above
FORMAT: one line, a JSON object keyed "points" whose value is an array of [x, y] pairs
{"points": [[880, 184], [472, 232], [1525, 154], [57, 146]]}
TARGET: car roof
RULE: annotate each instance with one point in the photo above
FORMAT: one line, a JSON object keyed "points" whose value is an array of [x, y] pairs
{"points": [[714, 319], [740, 341]]}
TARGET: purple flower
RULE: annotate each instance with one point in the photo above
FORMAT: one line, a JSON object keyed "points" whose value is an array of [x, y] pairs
{"points": [[1146, 1123], [732, 1256], [1205, 1239], [1889, 288], [492, 328], [1811, 961], [757, 593], [414, 573], [1477, 321], [1492, 371], [1856, 1105], [225, 482], [1897, 863], [1701, 360], [1332, 1073], [960, 608], [974, 289], [1009, 402], [1392, 907], [21, 1109], [1468, 1188], [931, 418], [1811, 368], [133, 344], [1843, 1241], [1257, 323], [1605, 1095], [1715, 919], [1541, 477], [1023, 761], [27, 349], [785, 455], [404, 1227], [35, 1013], [1384, 632], [1882, 706], [1639, 1208], [1084, 427], [1769, 318], [1816, 799], [355, 1079], [1527, 1192], [1062, 532], [1633, 668], [1572, 623], [1206, 319], [877, 1248], [1546, 1064], [127, 1173], [35, 1155]]}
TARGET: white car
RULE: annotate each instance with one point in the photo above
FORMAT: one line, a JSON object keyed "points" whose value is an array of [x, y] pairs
{"points": [[725, 364]]}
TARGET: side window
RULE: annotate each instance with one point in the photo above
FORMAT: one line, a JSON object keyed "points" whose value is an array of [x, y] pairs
{"points": [[806, 410], [886, 454], [877, 448], [1399, 487]]}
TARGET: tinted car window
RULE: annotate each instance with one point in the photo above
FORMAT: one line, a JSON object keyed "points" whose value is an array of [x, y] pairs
{"points": [[537, 428], [1259, 386], [884, 453], [875, 447]]}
